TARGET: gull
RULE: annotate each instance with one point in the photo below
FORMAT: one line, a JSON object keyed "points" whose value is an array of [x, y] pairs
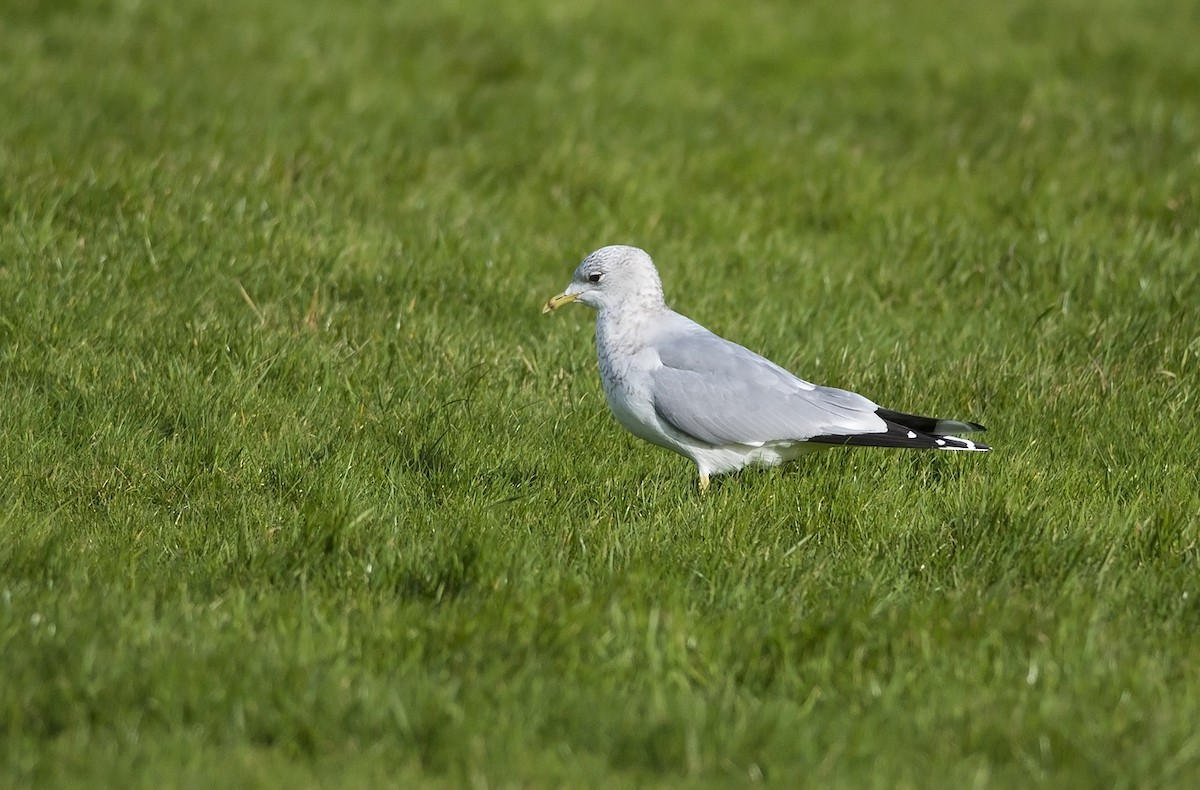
{"points": [[675, 384]]}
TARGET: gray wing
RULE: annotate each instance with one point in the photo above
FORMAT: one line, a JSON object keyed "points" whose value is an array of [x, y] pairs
{"points": [[721, 393]]}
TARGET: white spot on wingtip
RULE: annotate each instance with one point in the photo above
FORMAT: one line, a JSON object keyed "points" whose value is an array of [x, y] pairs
{"points": [[941, 442], [912, 435]]}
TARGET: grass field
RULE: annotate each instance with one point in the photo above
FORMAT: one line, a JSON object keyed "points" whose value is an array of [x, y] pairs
{"points": [[298, 488]]}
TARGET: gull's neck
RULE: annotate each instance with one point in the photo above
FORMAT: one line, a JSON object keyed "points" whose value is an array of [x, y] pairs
{"points": [[633, 309], [627, 323]]}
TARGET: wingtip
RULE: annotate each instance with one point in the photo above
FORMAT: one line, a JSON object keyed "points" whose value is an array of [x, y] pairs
{"points": [[960, 444]]}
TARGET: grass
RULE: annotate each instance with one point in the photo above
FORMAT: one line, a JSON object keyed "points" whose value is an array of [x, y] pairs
{"points": [[297, 488]]}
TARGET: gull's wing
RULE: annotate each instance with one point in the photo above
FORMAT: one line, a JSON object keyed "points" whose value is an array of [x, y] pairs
{"points": [[721, 393]]}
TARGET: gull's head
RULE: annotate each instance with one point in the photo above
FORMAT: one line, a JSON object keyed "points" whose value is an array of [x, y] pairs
{"points": [[612, 277]]}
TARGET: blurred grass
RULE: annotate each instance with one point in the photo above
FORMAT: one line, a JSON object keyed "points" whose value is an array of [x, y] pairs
{"points": [[297, 487]]}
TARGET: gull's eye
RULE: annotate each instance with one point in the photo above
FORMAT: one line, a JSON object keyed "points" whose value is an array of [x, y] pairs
{"points": [[594, 277]]}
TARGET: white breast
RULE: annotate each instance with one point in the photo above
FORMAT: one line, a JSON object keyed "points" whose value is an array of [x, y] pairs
{"points": [[626, 367], [627, 389]]}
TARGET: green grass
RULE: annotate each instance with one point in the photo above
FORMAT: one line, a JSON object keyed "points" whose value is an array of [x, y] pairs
{"points": [[298, 488]]}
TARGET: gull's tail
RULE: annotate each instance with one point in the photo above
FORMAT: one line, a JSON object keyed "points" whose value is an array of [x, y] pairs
{"points": [[914, 431]]}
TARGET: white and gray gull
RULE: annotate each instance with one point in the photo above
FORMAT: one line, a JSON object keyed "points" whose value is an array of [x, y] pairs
{"points": [[672, 382]]}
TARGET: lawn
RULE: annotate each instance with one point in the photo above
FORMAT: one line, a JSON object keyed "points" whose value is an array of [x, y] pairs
{"points": [[298, 488]]}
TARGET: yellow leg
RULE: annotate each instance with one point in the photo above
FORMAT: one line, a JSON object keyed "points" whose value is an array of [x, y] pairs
{"points": [[703, 483]]}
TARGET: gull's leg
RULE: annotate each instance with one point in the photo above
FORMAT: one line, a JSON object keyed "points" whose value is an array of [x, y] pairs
{"points": [[703, 482]]}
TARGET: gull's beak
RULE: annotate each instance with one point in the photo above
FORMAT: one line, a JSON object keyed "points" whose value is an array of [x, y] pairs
{"points": [[556, 302]]}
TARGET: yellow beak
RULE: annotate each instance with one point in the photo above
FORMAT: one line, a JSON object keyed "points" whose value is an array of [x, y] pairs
{"points": [[556, 302]]}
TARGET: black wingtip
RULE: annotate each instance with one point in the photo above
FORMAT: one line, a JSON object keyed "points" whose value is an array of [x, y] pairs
{"points": [[930, 425], [913, 432]]}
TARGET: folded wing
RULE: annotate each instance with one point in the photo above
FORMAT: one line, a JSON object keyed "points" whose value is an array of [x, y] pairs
{"points": [[721, 393]]}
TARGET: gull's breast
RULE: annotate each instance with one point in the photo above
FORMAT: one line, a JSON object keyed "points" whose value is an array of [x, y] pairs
{"points": [[627, 380]]}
